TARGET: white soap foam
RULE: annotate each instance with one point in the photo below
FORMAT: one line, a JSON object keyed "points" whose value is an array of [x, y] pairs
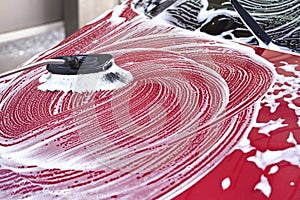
{"points": [[264, 186], [226, 183], [117, 11], [2, 85], [266, 128], [288, 67], [291, 139], [264, 159], [292, 154], [244, 144], [274, 169]]}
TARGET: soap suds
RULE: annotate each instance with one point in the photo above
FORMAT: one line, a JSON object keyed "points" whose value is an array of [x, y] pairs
{"points": [[142, 41], [291, 139], [2, 85], [244, 144], [288, 67], [264, 159], [226, 183], [264, 186], [274, 169], [266, 128], [288, 85], [116, 18], [288, 88]]}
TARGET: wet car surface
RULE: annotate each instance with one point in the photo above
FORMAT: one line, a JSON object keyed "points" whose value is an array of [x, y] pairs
{"points": [[203, 117]]}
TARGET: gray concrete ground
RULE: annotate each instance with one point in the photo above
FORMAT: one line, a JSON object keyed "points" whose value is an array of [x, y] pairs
{"points": [[14, 53]]}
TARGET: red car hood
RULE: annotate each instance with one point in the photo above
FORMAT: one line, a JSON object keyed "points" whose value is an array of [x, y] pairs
{"points": [[203, 118]]}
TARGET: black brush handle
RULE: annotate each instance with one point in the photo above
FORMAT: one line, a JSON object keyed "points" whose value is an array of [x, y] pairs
{"points": [[251, 23], [81, 64], [33, 65]]}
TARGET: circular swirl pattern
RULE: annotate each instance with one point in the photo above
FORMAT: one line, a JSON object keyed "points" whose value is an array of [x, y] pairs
{"points": [[190, 101]]}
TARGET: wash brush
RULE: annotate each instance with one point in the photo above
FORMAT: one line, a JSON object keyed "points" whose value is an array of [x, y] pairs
{"points": [[80, 73]]}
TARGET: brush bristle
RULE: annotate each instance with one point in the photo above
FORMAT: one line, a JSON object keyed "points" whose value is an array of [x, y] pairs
{"points": [[112, 79]]}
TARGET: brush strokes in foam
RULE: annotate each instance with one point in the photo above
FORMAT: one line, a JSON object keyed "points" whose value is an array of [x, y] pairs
{"points": [[272, 157], [288, 85], [116, 18], [2, 86], [170, 101]]}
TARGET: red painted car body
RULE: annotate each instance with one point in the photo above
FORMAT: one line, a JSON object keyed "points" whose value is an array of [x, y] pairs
{"points": [[203, 119]]}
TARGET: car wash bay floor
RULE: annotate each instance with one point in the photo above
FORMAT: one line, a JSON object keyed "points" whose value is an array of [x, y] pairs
{"points": [[14, 53]]}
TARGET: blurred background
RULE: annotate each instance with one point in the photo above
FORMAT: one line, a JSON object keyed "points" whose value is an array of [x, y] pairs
{"points": [[28, 27]]}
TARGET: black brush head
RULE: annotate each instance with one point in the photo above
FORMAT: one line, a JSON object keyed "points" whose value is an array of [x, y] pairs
{"points": [[82, 64]]}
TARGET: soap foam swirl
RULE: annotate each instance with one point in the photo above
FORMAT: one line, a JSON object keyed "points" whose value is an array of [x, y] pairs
{"points": [[189, 103]]}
